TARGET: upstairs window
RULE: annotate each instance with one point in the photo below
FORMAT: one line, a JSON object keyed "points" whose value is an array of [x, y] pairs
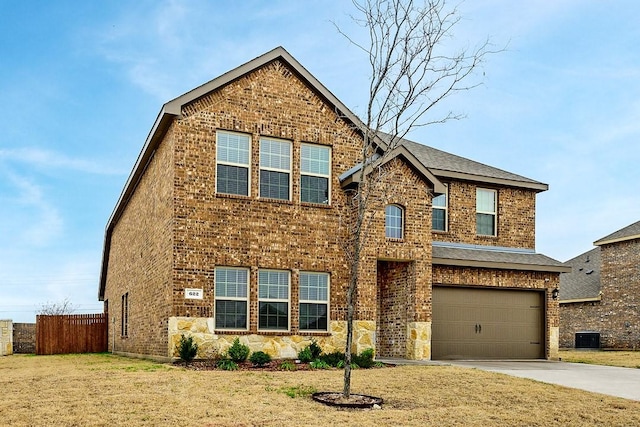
{"points": [[315, 170], [394, 222], [439, 211], [273, 300], [314, 301], [233, 151], [486, 212], [275, 169], [231, 294]]}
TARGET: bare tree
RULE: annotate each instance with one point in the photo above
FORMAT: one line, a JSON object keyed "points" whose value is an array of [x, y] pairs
{"points": [[413, 66], [57, 308]]}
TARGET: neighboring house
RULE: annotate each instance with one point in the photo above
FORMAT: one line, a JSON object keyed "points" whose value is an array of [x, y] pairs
{"points": [[232, 224], [600, 298]]}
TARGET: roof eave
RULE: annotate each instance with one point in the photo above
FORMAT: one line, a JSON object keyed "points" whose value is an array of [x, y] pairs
{"points": [[618, 240], [536, 186], [159, 129], [500, 265]]}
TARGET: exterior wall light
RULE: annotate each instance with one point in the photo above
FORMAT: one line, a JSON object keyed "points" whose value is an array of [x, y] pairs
{"points": [[554, 293]]}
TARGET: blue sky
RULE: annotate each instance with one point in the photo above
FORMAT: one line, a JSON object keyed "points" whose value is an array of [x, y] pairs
{"points": [[82, 82]]}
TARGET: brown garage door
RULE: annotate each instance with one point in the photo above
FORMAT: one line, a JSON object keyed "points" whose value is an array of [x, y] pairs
{"points": [[487, 324]]}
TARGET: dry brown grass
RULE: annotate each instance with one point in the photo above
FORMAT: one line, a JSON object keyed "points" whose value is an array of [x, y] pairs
{"points": [[624, 359], [105, 390]]}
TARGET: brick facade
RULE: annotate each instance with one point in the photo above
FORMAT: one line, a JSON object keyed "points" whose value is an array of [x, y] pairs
{"points": [[176, 229], [616, 315], [516, 216]]}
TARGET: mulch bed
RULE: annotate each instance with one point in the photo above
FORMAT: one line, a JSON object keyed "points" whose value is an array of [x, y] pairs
{"points": [[274, 365]]}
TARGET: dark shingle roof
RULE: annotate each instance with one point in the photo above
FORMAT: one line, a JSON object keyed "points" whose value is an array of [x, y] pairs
{"points": [[584, 280], [444, 164], [627, 233], [494, 257]]}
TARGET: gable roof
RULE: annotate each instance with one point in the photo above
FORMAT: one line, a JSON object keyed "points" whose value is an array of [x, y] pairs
{"points": [[173, 109], [351, 176], [583, 283], [629, 232], [467, 255]]}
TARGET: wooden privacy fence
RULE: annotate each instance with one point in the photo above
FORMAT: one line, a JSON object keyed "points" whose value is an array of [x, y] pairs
{"points": [[71, 333]]}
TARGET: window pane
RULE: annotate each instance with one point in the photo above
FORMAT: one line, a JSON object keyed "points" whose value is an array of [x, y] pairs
{"points": [[440, 201], [273, 315], [232, 148], [485, 201], [231, 314], [314, 189], [273, 284], [393, 222], [275, 154], [314, 286], [314, 159], [485, 224], [313, 317], [274, 185], [439, 222], [232, 180], [231, 282]]}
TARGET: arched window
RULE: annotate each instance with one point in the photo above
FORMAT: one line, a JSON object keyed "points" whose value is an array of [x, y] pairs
{"points": [[393, 222]]}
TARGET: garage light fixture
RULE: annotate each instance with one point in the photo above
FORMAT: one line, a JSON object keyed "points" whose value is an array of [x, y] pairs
{"points": [[554, 293]]}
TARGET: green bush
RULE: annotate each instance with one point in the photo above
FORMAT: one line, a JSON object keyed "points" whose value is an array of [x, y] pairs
{"points": [[238, 352], [187, 349], [305, 355], [319, 364], [315, 349], [227, 365], [260, 358], [333, 359], [287, 365], [364, 359]]}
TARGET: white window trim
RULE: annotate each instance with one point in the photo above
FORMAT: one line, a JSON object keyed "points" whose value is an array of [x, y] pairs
{"points": [[300, 301], [445, 208], [402, 221], [288, 301], [328, 176], [216, 298], [248, 165], [289, 171], [494, 213]]}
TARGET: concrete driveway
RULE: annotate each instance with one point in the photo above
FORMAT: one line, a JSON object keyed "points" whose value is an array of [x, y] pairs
{"points": [[620, 382]]}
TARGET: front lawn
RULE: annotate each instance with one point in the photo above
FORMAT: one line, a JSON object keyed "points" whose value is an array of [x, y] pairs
{"points": [[624, 359], [105, 390]]}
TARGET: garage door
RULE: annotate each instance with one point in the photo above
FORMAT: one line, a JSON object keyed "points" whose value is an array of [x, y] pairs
{"points": [[487, 324]]}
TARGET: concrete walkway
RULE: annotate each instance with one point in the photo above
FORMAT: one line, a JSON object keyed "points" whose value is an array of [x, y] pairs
{"points": [[613, 381]]}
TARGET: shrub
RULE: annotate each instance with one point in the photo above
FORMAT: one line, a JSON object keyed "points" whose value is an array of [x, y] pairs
{"points": [[187, 349], [227, 365], [333, 359], [260, 358], [315, 349], [364, 359], [305, 355], [287, 365], [238, 352], [319, 364]]}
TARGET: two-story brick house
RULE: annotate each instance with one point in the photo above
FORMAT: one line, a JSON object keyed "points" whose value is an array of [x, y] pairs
{"points": [[600, 298], [232, 224]]}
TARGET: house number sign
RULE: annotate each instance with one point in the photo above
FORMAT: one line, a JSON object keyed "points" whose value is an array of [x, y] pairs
{"points": [[192, 293]]}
